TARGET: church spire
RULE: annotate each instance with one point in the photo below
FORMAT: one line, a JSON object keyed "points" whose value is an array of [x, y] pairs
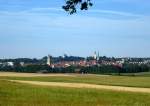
{"points": [[95, 55]]}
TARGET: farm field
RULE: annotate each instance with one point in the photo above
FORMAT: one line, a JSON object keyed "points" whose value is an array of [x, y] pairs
{"points": [[24, 94], [129, 81]]}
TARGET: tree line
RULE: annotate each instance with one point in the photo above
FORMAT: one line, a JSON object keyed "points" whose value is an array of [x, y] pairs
{"points": [[102, 69]]}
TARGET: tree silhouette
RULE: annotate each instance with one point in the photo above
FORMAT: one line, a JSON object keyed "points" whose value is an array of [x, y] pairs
{"points": [[71, 5]]}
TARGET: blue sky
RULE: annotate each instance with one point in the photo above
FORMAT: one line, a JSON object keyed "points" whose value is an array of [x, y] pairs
{"points": [[35, 28]]}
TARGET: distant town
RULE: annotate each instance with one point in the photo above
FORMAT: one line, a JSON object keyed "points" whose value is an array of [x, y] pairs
{"points": [[63, 62]]}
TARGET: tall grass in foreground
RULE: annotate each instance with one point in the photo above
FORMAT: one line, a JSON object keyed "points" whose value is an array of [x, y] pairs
{"points": [[15, 94]]}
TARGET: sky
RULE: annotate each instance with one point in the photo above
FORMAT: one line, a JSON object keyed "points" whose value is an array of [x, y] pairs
{"points": [[36, 28]]}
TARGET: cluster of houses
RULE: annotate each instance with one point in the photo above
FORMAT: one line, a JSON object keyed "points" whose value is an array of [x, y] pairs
{"points": [[94, 61], [84, 63]]}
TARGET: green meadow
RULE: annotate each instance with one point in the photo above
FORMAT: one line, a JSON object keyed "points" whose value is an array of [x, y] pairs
{"points": [[15, 94]]}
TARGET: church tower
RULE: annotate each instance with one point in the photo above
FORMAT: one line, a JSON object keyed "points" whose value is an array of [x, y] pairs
{"points": [[48, 60], [98, 56], [95, 55]]}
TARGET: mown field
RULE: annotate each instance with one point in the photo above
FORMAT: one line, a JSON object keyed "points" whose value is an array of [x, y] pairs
{"points": [[16, 94], [131, 81]]}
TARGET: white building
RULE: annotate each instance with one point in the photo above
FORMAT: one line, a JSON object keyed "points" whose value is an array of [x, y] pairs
{"points": [[10, 64]]}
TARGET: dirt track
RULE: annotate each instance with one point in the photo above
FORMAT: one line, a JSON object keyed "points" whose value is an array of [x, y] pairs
{"points": [[73, 85], [83, 85], [14, 74]]}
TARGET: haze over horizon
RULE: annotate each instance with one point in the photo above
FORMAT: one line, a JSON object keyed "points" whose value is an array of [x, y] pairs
{"points": [[35, 28]]}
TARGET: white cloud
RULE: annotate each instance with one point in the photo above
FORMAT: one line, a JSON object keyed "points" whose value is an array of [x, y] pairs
{"points": [[98, 11], [47, 9]]}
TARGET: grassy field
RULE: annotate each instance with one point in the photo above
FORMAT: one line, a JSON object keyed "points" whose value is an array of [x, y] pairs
{"points": [[15, 94], [138, 81]]}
